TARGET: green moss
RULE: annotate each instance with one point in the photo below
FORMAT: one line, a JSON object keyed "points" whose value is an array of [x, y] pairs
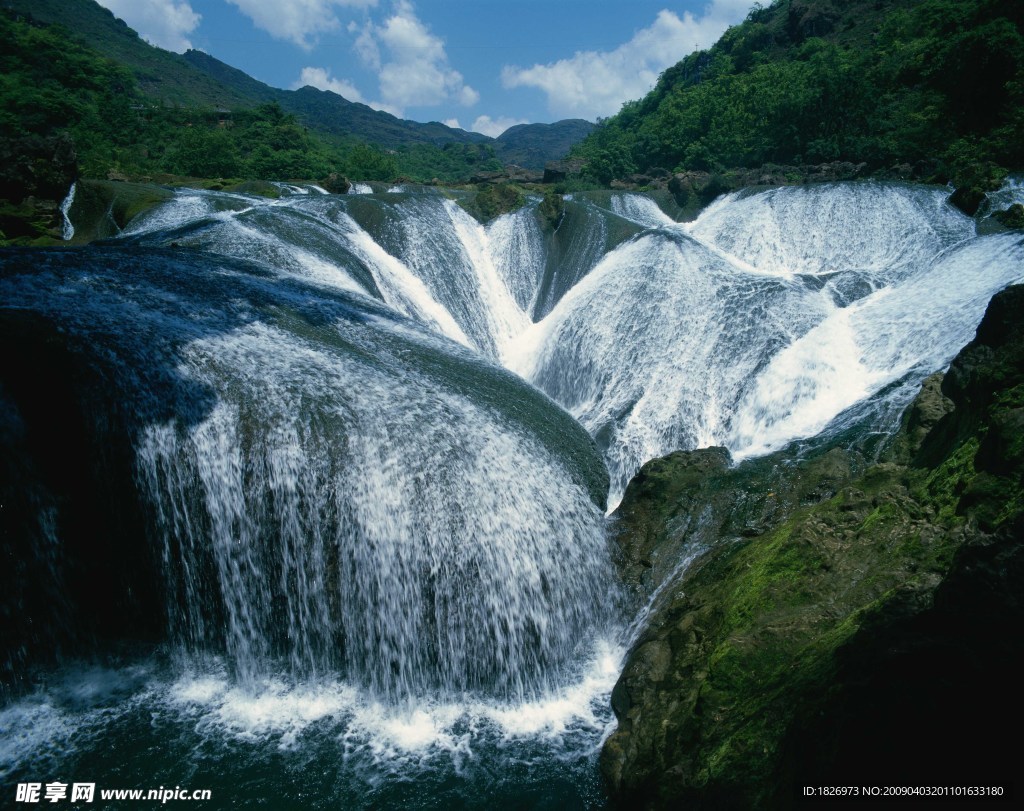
{"points": [[942, 487], [493, 200], [260, 188]]}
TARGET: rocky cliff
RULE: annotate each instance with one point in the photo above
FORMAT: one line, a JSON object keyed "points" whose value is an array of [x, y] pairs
{"points": [[840, 621]]}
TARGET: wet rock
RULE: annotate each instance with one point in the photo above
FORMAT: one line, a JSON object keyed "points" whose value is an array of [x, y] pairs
{"points": [[36, 174], [336, 184], [1012, 217], [559, 171], [874, 631]]}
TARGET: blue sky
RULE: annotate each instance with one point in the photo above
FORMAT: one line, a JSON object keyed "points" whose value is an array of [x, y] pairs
{"points": [[479, 64]]}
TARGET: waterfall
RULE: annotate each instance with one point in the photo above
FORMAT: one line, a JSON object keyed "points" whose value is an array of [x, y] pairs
{"points": [[656, 335], [67, 227], [366, 442], [335, 490], [766, 319]]}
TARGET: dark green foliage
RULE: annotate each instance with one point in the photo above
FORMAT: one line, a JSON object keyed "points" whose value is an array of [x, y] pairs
{"points": [[811, 81], [151, 112], [1013, 217], [452, 162], [493, 201], [51, 86], [552, 209]]}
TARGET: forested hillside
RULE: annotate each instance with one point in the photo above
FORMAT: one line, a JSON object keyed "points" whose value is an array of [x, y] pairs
{"points": [[938, 84], [157, 94]]}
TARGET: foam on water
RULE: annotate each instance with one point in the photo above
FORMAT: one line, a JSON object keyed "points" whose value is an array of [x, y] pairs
{"points": [[881, 231], [361, 741], [640, 209], [735, 329]]}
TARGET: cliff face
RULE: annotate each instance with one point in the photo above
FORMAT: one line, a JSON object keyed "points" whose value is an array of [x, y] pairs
{"points": [[839, 622]]}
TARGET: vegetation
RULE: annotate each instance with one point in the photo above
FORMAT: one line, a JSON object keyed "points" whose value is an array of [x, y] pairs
{"points": [[157, 93], [934, 83], [493, 200], [533, 145], [846, 625]]}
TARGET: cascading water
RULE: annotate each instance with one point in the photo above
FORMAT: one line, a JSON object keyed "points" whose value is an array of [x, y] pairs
{"points": [[67, 227], [404, 540], [771, 318], [374, 540]]}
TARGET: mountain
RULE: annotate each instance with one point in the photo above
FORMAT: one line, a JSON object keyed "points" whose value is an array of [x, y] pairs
{"points": [[932, 85], [197, 80], [533, 145], [162, 76]]}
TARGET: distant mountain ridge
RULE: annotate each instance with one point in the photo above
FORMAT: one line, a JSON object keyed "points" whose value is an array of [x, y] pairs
{"points": [[197, 79], [532, 145]]}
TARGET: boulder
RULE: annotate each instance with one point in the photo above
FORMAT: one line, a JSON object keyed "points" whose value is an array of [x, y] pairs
{"points": [[336, 183], [559, 171], [1012, 217]]}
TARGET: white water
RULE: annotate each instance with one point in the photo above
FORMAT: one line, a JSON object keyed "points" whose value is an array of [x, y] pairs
{"points": [[757, 324], [364, 549], [369, 536], [67, 227]]}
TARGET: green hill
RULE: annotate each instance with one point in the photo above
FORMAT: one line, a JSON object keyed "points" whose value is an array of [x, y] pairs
{"points": [[532, 145], [162, 76], [82, 95], [936, 84]]}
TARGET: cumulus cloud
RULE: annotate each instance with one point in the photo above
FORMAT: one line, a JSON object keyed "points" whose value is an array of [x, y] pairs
{"points": [[298, 21], [494, 127], [596, 83], [453, 123], [411, 64], [320, 78], [164, 23]]}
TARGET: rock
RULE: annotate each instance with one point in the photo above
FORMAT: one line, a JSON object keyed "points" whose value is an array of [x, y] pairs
{"points": [[102, 208], [871, 632], [492, 200], [521, 175], [552, 210], [262, 188], [559, 171], [36, 174], [967, 199], [924, 413], [488, 177], [1012, 217], [336, 183]]}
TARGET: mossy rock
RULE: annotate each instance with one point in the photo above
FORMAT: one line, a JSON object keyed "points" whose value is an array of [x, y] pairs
{"points": [[493, 200], [872, 635], [1012, 217], [103, 208], [260, 188]]}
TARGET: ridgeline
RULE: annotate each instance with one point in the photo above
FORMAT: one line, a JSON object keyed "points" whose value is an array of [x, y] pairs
{"points": [[927, 90]]}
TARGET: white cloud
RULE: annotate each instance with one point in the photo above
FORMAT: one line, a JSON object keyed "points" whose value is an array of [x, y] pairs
{"points": [[298, 21], [164, 23], [320, 78], [411, 64], [495, 126], [453, 123], [596, 83]]}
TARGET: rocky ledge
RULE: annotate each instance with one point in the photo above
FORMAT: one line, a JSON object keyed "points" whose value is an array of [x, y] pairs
{"points": [[840, 621]]}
